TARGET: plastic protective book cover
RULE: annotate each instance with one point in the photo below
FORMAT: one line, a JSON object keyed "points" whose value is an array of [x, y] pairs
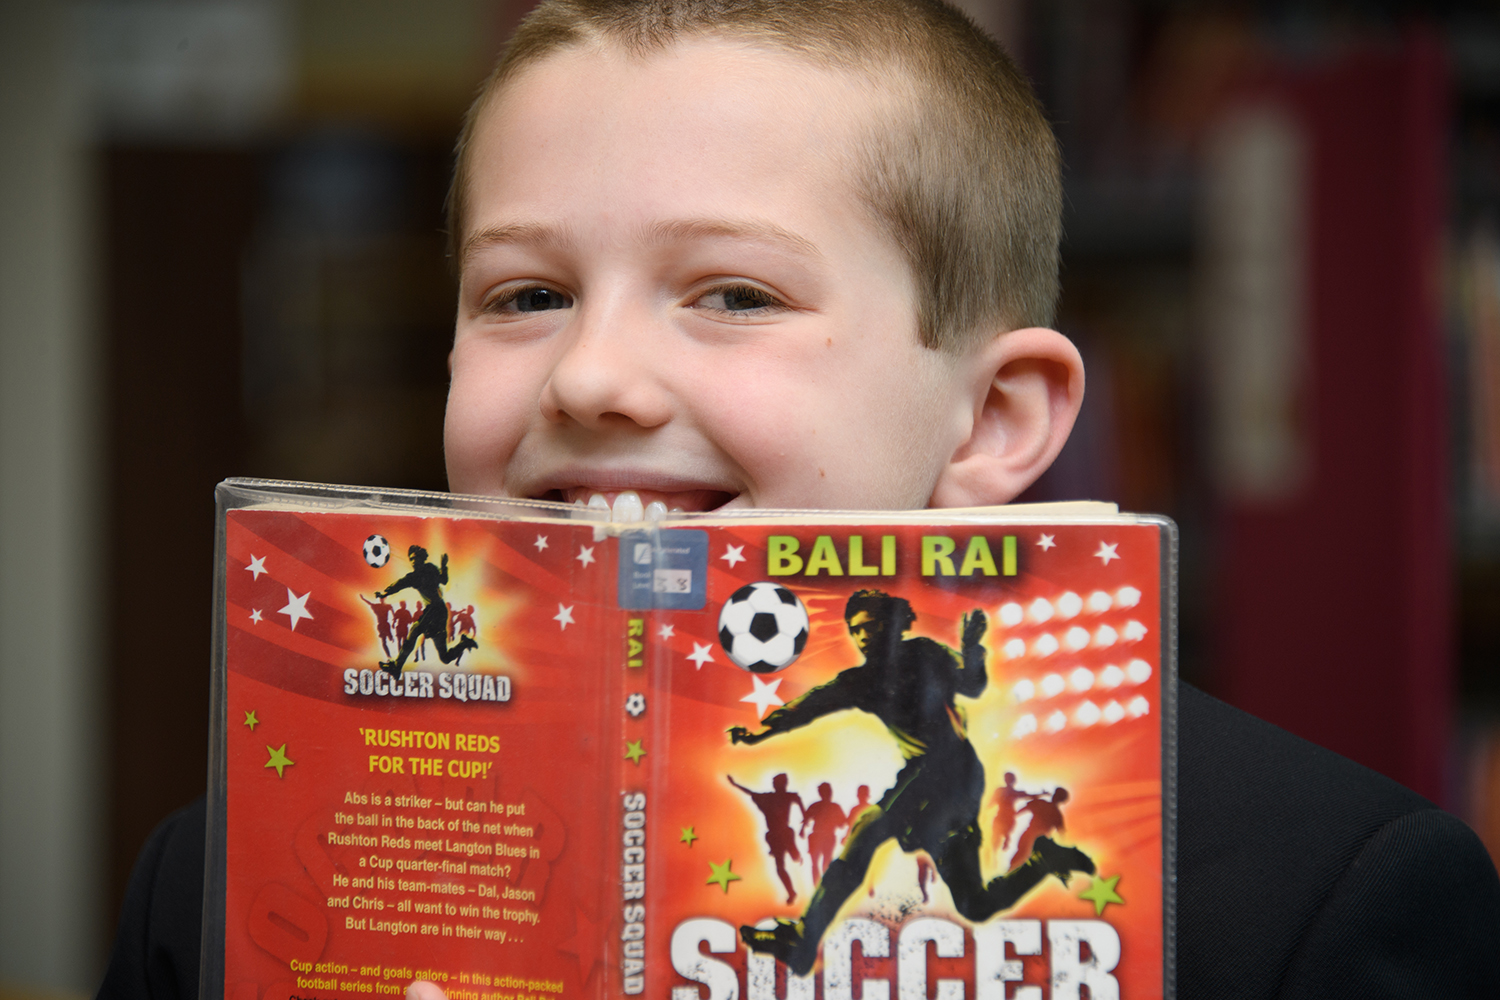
{"points": [[530, 755]]}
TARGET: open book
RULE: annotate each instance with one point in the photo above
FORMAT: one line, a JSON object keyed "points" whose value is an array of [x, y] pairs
{"points": [[529, 754]]}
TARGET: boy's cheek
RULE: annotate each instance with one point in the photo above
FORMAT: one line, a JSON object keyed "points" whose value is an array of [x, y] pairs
{"points": [[464, 469], [480, 430]]}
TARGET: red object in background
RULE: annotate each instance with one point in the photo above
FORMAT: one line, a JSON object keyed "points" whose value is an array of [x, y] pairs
{"points": [[1335, 603]]}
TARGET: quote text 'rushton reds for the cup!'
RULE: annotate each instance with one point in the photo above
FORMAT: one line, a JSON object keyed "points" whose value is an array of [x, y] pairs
{"points": [[417, 739]]}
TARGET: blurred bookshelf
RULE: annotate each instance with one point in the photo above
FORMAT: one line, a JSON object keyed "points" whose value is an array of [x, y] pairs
{"points": [[1402, 235], [277, 302]]}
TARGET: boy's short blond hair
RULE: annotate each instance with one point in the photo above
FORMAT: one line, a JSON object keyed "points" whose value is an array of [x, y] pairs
{"points": [[964, 178]]}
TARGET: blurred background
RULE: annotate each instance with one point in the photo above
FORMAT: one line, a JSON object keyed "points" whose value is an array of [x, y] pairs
{"points": [[221, 253]]}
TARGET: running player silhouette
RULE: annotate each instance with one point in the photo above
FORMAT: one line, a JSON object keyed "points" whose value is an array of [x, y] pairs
{"points": [[1007, 799], [827, 819], [776, 807], [463, 622], [1046, 818], [382, 610], [924, 873], [862, 805], [911, 686], [428, 581], [401, 619]]}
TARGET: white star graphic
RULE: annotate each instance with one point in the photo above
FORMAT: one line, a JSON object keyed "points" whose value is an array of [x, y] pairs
{"points": [[585, 554], [1045, 542], [733, 554], [255, 615], [296, 607], [667, 631], [700, 655], [540, 543], [564, 616], [1107, 552], [764, 695], [257, 566]]}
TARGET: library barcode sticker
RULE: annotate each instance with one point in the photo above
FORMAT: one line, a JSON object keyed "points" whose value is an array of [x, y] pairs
{"points": [[665, 569]]}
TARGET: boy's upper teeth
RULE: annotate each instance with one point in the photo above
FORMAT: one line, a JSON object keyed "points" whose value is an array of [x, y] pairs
{"points": [[632, 505], [627, 507]]}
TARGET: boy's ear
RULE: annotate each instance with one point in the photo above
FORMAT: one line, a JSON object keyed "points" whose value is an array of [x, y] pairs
{"points": [[1026, 387]]}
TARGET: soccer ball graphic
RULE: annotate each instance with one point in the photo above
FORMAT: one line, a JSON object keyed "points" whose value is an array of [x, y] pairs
{"points": [[377, 550], [763, 627]]}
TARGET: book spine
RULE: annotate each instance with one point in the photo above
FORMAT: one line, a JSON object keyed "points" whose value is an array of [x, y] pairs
{"points": [[211, 946], [634, 799], [634, 767]]}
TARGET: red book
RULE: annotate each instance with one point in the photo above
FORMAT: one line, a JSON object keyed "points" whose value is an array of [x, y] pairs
{"points": [[771, 755]]}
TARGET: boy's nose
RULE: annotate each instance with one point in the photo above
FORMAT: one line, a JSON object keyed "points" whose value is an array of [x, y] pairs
{"points": [[607, 374]]}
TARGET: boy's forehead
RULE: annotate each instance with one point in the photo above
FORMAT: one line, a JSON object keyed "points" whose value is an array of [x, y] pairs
{"points": [[704, 127], [740, 72]]}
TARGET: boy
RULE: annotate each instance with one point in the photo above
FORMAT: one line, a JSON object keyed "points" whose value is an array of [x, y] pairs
{"points": [[803, 254]]}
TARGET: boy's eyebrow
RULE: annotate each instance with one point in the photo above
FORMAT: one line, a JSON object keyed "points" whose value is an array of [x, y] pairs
{"points": [[538, 234], [762, 232], [534, 233]]}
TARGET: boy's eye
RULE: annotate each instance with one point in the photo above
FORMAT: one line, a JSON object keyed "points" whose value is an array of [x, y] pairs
{"points": [[740, 299], [533, 298]]}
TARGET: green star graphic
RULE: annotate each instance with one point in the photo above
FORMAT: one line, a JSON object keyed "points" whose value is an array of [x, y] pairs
{"points": [[688, 836], [279, 759], [634, 751], [721, 875], [251, 720], [1101, 892]]}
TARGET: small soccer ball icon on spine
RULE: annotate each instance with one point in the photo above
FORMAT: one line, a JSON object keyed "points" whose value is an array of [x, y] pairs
{"points": [[377, 550], [763, 627]]}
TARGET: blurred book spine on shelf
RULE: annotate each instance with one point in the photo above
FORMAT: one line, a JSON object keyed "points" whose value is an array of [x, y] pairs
{"points": [[1333, 573], [1253, 246], [1474, 311], [1478, 280], [1475, 284], [1480, 770]]}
